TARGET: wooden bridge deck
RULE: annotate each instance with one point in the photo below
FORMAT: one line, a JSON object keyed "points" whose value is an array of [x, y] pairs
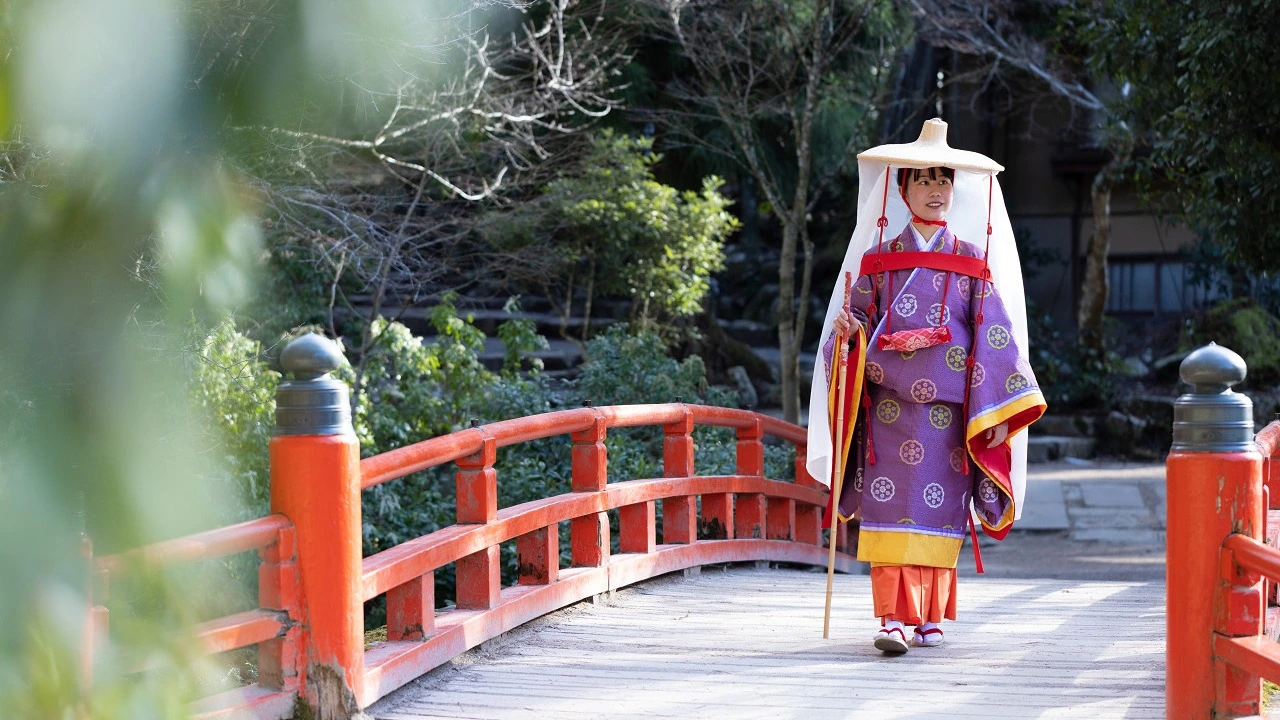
{"points": [[747, 643]]}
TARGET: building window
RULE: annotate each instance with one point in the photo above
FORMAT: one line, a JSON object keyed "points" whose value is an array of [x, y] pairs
{"points": [[1154, 285]]}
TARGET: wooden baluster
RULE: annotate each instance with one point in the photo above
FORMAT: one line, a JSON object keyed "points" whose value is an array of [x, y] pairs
{"points": [[679, 514], [751, 449], [589, 535], [479, 575], [781, 521], [808, 517], [749, 516], [538, 556], [281, 660], [717, 516], [750, 512], [637, 527], [411, 609]]}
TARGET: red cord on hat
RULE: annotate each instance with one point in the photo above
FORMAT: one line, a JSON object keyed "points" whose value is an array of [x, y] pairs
{"points": [[917, 219]]}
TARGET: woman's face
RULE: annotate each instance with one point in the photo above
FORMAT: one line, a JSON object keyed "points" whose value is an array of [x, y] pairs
{"points": [[929, 194]]}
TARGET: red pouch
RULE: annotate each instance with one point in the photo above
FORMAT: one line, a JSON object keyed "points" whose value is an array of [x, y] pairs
{"points": [[918, 339]]}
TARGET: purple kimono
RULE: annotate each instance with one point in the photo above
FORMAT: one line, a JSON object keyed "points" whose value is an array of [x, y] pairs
{"points": [[914, 500]]}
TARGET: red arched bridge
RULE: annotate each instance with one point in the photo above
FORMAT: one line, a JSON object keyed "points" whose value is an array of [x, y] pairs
{"points": [[749, 638]]}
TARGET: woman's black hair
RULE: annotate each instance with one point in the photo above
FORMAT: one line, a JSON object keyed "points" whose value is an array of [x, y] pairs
{"points": [[906, 175]]}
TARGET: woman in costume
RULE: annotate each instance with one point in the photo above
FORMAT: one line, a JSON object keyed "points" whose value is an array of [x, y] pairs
{"points": [[937, 386]]}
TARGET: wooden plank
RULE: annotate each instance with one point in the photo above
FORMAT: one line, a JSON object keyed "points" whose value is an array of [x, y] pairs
{"points": [[393, 664], [748, 643]]}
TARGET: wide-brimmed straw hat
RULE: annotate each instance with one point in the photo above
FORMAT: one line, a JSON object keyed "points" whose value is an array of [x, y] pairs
{"points": [[931, 150]]}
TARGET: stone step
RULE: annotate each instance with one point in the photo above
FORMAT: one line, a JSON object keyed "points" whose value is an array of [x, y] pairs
{"points": [[1044, 448], [558, 355]]}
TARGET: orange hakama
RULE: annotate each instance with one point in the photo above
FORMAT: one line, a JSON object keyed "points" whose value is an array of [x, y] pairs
{"points": [[913, 594]]}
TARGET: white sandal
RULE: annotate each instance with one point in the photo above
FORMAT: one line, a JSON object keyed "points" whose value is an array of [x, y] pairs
{"points": [[932, 637], [887, 641]]}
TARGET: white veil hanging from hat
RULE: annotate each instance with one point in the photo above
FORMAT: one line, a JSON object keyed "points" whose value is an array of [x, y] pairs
{"points": [[967, 219]]}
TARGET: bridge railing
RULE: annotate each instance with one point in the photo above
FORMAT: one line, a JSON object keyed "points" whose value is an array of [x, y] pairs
{"points": [[1217, 477], [314, 582], [744, 516], [275, 627]]}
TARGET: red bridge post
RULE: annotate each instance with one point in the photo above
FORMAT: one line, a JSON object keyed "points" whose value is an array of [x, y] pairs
{"points": [[589, 535], [1214, 489], [479, 575], [315, 482], [679, 514]]}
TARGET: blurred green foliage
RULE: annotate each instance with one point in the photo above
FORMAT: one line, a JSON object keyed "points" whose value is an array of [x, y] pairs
{"points": [[128, 235]]}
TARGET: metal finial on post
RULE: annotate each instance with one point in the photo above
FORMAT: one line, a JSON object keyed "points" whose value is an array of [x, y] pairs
{"points": [[1213, 418], [313, 403]]}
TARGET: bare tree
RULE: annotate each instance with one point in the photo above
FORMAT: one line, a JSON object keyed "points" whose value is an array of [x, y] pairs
{"points": [[396, 206], [991, 32], [763, 71]]}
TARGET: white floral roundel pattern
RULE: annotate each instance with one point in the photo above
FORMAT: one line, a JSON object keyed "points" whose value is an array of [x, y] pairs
{"points": [[938, 279], [882, 489], [906, 306], [963, 285], [934, 495], [987, 490], [957, 459], [936, 310], [857, 481]]}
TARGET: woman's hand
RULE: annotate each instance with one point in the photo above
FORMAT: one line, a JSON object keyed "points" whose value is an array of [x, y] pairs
{"points": [[842, 323], [997, 434]]}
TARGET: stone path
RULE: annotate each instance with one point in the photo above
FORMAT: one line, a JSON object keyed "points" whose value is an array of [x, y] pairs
{"points": [[1084, 521], [1107, 502]]}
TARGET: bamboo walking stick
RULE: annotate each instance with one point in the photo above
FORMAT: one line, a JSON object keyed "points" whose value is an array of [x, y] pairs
{"points": [[837, 454]]}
